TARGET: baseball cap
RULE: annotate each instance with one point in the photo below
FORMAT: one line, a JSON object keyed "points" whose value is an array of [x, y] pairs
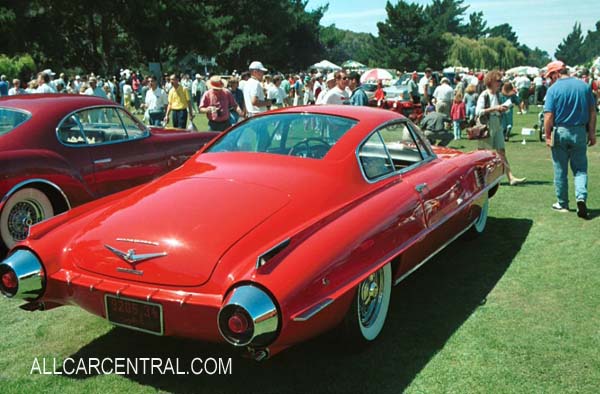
{"points": [[330, 77], [255, 65], [553, 67]]}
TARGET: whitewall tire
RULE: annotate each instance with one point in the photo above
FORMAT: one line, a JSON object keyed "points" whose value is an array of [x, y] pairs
{"points": [[23, 209]]}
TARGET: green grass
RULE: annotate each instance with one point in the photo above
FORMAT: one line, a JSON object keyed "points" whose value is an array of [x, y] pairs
{"points": [[516, 311]]}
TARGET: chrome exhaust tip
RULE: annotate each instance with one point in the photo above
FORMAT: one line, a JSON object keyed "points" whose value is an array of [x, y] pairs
{"points": [[22, 276], [248, 317]]}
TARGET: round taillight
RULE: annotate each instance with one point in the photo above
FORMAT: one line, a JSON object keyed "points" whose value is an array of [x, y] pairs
{"points": [[238, 323], [9, 280]]}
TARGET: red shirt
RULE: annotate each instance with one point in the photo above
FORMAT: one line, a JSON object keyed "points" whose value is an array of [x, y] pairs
{"points": [[458, 111], [222, 99]]}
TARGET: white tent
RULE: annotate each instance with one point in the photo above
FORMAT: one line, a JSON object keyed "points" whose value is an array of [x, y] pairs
{"points": [[325, 65]]}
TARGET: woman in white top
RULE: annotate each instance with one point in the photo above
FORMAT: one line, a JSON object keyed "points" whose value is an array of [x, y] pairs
{"points": [[488, 105]]}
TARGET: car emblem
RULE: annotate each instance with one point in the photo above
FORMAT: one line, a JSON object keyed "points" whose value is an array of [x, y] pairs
{"points": [[131, 257]]}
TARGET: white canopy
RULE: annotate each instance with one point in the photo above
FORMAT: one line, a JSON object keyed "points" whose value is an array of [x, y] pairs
{"points": [[325, 65]]}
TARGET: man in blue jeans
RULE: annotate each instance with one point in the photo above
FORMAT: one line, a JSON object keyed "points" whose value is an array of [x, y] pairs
{"points": [[569, 126]]}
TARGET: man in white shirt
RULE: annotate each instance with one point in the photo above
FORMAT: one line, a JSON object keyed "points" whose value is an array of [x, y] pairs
{"points": [[198, 89], [94, 89], [44, 85], [443, 93], [16, 89], [338, 94], [155, 103], [329, 84], [423, 84], [254, 95], [522, 83]]}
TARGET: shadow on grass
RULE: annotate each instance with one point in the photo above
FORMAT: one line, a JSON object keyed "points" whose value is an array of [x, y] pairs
{"points": [[425, 311]]}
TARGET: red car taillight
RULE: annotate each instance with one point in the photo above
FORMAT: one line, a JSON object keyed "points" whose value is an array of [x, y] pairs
{"points": [[10, 283], [238, 323]]}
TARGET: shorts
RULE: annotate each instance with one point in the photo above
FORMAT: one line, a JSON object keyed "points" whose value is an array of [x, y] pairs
{"points": [[524, 93]]}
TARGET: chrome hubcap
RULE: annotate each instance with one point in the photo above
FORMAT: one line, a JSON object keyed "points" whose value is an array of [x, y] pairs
{"points": [[370, 295], [22, 216]]}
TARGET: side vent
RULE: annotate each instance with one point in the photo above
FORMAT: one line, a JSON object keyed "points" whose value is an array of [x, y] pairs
{"points": [[269, 254], [479, 177]]}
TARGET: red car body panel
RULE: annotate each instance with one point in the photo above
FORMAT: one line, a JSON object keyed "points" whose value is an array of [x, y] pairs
{"points": [[83, 173], [215, 215]]}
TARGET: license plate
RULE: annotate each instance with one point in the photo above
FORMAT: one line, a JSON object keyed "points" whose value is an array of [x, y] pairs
{"points": [[134, 314]]}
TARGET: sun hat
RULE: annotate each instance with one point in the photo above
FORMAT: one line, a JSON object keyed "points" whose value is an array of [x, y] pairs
{"points": [[255, 65], [215, 82], [553, 67], [330, 77]]}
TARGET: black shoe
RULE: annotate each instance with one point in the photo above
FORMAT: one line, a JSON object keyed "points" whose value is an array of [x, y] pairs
{"points": [[582, 210]]}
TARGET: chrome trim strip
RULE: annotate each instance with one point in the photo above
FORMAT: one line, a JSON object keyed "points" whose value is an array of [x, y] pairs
{"points": [[160, 308], [35, 180], [103, 161], [108, 105], [312, 311], [431, 155], [138, 241], [416, 267], [258, 264], [130, 271]]}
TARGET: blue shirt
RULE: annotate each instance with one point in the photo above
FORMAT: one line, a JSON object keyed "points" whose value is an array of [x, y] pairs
{"points": [[359, 97], [3, 88], [570, 100]]}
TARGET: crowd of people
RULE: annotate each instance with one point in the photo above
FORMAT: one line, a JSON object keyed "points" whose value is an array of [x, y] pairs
{"points": [[569, 123]]}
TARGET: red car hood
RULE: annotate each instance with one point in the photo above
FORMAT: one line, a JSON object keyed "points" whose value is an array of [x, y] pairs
{"points": [[193, 229]]}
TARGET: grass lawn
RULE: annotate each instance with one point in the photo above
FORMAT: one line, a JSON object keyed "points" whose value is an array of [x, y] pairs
{"points": [[516, 311]]}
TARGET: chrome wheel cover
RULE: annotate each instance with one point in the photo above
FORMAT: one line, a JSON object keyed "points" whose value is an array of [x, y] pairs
{"points": [[23, 215], [370, 298]]}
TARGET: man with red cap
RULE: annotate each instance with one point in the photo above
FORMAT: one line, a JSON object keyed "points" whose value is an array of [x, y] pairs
{"points": [[570, 126]]}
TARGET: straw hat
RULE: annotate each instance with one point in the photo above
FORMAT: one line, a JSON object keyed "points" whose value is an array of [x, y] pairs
{"points": [[215, 82]]}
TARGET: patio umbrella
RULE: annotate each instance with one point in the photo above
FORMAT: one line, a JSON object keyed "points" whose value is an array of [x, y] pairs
{"points": [[326, 65], [353, 64], [376, 74]]}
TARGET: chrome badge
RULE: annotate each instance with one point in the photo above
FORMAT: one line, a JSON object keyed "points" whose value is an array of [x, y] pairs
{"points": [[132, 258]]}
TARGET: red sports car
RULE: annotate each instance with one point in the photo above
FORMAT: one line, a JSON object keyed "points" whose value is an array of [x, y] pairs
{"points": [[59, 151], [282, 228]]}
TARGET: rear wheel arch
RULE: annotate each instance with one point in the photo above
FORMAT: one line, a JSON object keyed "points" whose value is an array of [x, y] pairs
{"points": [[37, 199]]}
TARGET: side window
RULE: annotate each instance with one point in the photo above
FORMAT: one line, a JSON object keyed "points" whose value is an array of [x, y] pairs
{"points": [[402, 145], [69, 131], [101, 125], [374, 158], [134, 129]]}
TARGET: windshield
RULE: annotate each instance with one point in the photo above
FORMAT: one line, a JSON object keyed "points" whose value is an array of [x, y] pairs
{"points": [[299, 134], [10, 119]]}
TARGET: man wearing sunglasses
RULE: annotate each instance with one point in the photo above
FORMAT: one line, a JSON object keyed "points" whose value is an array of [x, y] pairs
{"points": [[338, 94]]}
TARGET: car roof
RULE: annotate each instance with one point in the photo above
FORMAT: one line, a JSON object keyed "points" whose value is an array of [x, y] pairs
{"points": [[52, 103]]}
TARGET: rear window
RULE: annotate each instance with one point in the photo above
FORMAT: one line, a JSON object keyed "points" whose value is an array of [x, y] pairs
{"points": [[298, 134], [10, 119]]}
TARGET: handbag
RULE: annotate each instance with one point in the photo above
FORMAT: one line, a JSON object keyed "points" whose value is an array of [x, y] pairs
{"points": [[481, 129], [478, 132]]}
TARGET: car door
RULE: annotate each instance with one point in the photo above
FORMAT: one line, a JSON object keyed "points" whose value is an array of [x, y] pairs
{"points": [[121, 151], [435, 180]]}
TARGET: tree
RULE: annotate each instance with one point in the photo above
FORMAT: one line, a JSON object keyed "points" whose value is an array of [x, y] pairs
{"points": [[591, 44], [341, 45], [477, 26], [570, 50], [446, 15], [504, 30], [535, 57]]}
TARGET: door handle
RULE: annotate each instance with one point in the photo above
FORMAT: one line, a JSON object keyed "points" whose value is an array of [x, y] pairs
{"points": [[420, 187], [103, 161]]}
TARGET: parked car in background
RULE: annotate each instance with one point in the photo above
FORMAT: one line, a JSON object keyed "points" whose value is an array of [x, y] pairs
{"points": [[289, 224], [59, 151]]}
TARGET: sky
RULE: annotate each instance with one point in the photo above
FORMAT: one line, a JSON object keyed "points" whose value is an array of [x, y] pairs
{"points": [[537, 23]]}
